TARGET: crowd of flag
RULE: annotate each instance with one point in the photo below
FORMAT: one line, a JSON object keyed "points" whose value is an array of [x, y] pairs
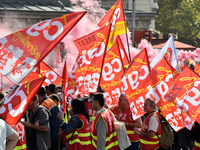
{"points": [[102, 62]]}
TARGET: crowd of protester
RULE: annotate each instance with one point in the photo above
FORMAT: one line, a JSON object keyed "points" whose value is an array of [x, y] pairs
{"points": [[88, 124]]}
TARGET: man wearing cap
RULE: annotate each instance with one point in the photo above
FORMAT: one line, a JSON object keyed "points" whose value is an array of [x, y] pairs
{"points": [[45, 101]]}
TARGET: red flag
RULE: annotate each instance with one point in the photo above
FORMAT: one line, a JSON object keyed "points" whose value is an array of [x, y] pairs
{"points": [[17, 102], [112, 73], [57, 60], [157, 84], [23, 50], [116, 17], [51, 76], [31, 76], [63, 89], [89, 63], [123, 52], [137, 71], [184, 92]]}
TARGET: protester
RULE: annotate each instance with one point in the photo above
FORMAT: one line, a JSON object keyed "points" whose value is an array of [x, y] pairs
{"points": [[39, 137], [54, 121], [196, 136], [151, 128], [125, 115], [19, 128], [103, 129], [8, 136], [51, 89], [78, 132], [55, 98]]}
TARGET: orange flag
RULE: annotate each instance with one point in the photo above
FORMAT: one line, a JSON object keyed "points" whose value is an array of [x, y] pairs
{"points": [[116, 17], [17, 102], [51, 75], [184, 93], [123, 52], [112, 73], [25, 49], [137, 71], [87, 68], [57, 60], [63, 89]]}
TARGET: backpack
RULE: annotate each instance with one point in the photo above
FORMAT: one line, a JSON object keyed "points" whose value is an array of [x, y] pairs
{"points": [[167, 135]]}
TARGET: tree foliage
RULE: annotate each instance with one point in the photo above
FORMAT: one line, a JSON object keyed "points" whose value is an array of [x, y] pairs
{"points": [[182, 17]]}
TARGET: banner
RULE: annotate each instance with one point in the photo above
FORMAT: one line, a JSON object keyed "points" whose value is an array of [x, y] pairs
{"points": [[112, 73], [17, 102], [137, 72], [51, 76], [23, 50], [63, 89], [85, 75], [184, 93], [157, 85], [116, 17]]}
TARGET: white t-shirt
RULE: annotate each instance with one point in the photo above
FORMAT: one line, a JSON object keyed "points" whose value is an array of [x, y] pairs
{"points": [[5, 131], [153, 123]]}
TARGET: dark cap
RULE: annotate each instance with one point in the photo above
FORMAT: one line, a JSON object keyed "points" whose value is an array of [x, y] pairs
{"points": [[41, 91]]}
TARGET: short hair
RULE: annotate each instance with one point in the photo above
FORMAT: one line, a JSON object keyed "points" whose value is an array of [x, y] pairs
{"points": [[1, 95], [35, 98], [52, 88], [124, 95], [54, 97], [152, 103], [41, 91], [100, 98]]}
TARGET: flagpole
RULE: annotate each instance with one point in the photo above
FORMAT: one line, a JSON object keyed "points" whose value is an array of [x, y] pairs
{"points": [[128, 47]]}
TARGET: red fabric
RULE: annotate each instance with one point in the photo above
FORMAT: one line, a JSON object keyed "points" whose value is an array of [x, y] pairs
{"points": [[126, 116], [23, 50], [51, 76], [108, 118], [112, 73], [17, 102], [145, 129], [63, 89], [19, 128]]}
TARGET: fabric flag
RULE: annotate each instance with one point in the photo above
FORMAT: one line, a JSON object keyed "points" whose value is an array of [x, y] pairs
{"points": [[87, 68], [31, 76], [137, 71], [23, 50], [112, 73], [63, 89], [184, 92], [17, 102], [57, 60], [157, 84], [169, 52], [123, 52], [51, 76], [116, 17]]}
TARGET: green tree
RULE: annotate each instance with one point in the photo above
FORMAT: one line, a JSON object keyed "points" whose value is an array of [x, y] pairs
{"points": [[182, 17]]}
